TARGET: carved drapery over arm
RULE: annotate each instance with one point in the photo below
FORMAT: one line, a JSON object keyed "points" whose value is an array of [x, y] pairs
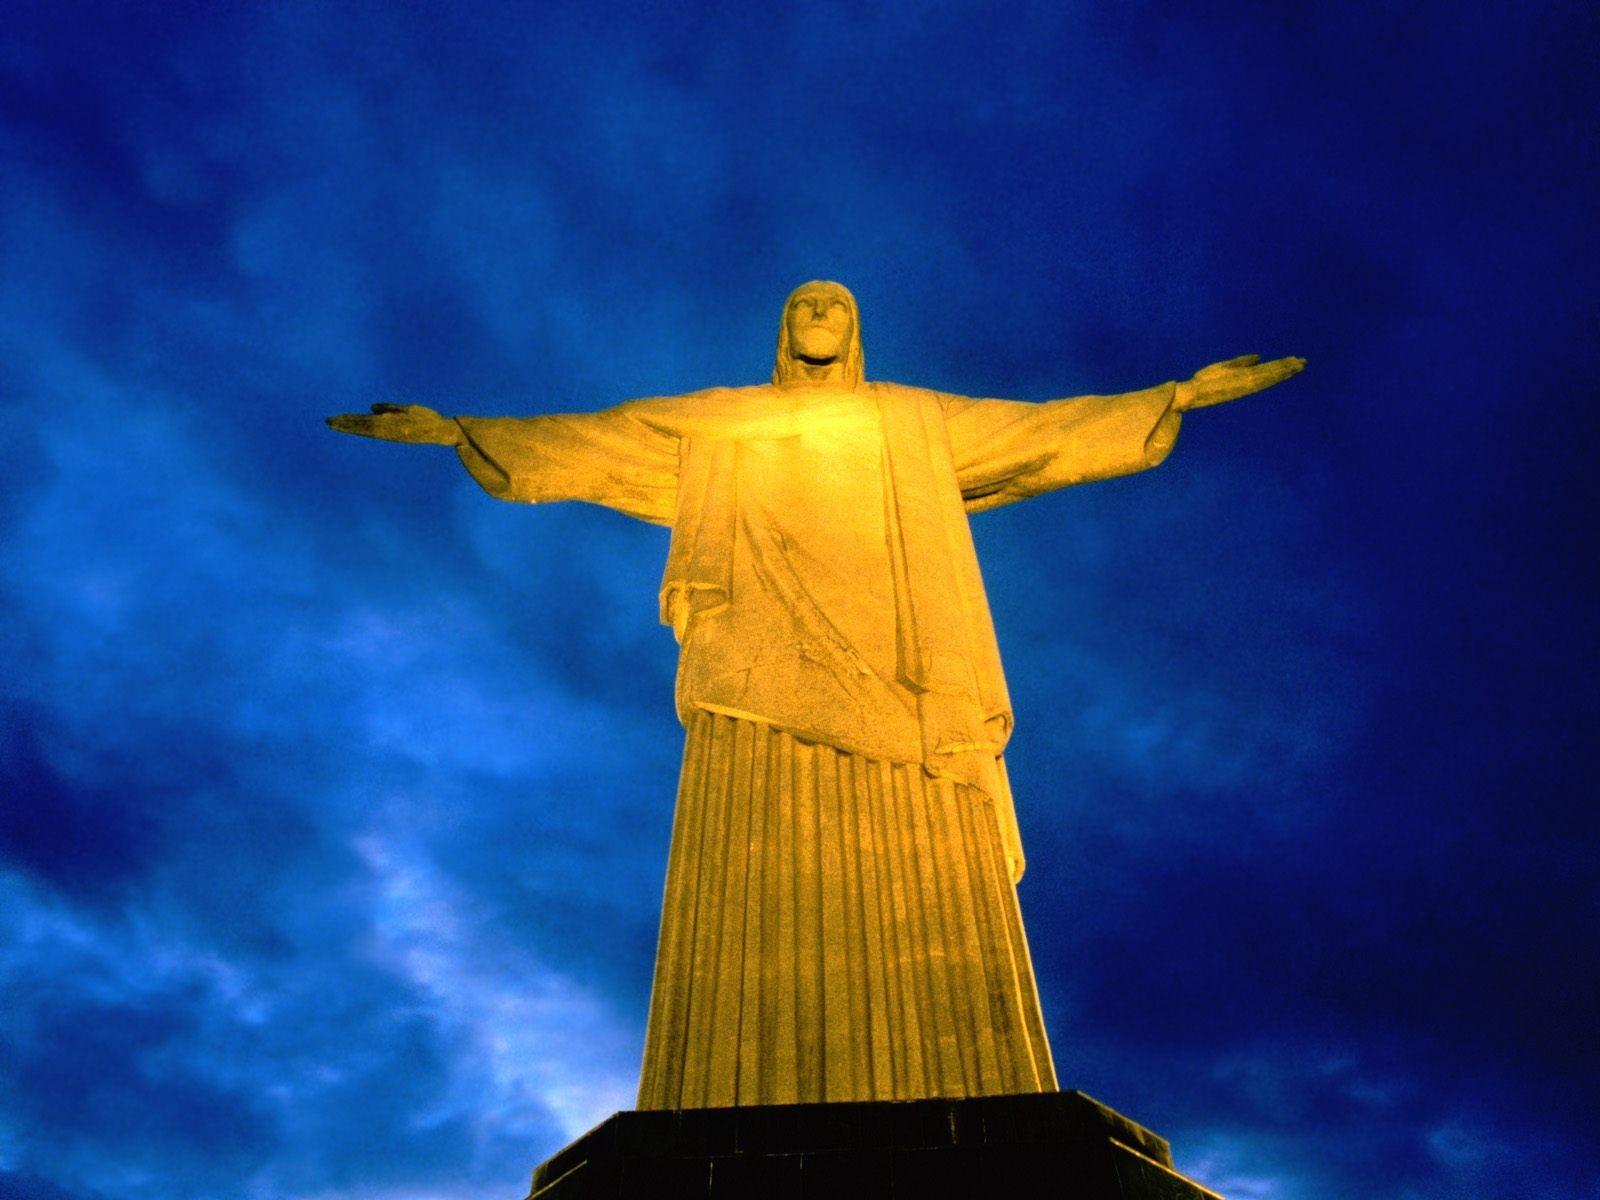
{"points": [[1008, 450], [610, 457]]}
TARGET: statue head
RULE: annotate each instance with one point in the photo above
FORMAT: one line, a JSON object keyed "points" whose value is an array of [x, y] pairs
{"points": [[819, 337]]}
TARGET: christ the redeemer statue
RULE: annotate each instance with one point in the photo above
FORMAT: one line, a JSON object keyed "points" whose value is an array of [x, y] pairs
{"points": [[840, 919]]}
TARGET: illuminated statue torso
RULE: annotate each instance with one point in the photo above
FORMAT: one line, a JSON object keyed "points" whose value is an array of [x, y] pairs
{"points": [[805, 636]]}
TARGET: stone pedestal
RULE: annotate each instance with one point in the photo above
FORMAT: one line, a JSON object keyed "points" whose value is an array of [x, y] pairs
{"points": [[1052, 1144]]}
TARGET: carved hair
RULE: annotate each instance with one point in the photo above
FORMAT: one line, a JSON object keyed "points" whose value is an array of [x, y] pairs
{"points": [[854, 363]]}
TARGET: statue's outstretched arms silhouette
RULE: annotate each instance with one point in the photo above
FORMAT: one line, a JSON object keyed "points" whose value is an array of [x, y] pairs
{"points": [[611, 457], [1008, 450]]}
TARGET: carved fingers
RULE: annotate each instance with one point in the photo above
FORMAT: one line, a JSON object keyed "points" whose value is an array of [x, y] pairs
{"points": [[1235, 377], [1227, 366], [399, 423]]}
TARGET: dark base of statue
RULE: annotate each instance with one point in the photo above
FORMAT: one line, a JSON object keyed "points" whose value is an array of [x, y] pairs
{"points": [[1055, 1144]]}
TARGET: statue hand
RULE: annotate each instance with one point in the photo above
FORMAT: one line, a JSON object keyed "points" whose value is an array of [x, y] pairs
{"points": [[400, 423], [1234, 377]]}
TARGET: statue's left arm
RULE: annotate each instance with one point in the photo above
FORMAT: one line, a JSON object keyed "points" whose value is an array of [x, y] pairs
{"points": [[1008, 450], [618, 457], [613, 457]]}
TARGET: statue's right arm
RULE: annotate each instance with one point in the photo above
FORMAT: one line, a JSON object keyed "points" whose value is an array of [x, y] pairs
{"points": [[612, 457], [1008, 450]]}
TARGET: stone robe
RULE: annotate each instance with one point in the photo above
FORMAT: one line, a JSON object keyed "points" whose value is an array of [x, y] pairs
{"points": [[840, 920]]}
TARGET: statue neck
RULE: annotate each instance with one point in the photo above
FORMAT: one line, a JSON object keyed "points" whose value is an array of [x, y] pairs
{"points": [[801, 372]]}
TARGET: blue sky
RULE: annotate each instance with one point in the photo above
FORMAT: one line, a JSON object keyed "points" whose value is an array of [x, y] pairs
{"points": [[334, 796]]}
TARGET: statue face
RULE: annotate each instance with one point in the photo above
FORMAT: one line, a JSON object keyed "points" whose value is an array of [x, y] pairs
{"points": [[820, 326]]}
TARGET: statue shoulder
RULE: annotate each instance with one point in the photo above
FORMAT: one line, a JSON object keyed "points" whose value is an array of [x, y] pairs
{"points": [[709, 411], [723, 395], [906, 392]]}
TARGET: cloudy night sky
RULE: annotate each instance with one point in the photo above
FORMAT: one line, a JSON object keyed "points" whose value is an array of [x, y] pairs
{"points": [[335, 796]]}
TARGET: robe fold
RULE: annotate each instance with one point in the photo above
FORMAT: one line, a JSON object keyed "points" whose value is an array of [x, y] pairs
{"points": [[823, 585]]}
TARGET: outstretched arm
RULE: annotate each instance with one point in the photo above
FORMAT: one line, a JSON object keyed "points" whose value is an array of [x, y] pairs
{"points": [[1008, 450], [610, 457]]}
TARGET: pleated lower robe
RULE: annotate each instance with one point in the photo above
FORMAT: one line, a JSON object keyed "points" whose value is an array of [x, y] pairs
{"points": [[834, 927]]}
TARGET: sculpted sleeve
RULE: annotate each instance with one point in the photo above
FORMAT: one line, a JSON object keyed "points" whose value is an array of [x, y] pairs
{"points": [[1008, 450], [613, 457]]}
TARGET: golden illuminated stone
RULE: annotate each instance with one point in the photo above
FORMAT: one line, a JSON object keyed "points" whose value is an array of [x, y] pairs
{"points": [[840, 917]]}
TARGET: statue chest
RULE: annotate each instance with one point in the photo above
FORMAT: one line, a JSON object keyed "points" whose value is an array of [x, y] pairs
{"points": [[819, 477]]}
